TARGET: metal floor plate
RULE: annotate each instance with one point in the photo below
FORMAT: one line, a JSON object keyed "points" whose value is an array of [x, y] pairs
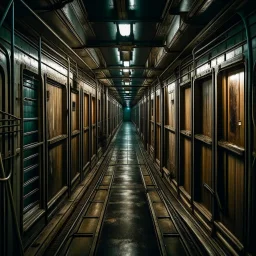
{"points": [[127, 228]]}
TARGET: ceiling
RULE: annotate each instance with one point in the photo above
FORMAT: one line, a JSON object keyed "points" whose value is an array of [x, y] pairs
{"points": [[163, 33], [143, 16]]}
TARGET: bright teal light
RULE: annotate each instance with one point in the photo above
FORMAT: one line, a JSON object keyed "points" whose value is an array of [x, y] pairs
{"points": [[128, 108]]}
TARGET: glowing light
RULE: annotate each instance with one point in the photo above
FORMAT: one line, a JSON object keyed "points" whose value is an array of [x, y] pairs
{"points": [[124, 29], [126, 63], [234, 78], [126, 83], [126, 70]]}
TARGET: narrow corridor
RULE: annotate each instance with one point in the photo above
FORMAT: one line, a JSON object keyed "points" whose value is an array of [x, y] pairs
{"points": [[125, 214], [127, 227]]}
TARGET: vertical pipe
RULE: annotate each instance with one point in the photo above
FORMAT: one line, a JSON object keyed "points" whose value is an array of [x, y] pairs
{"points": [[96, 109], [103, 108], [80, 168], [8, 186], [149, 120], [154, 111], [90, 130], [192, 143], [42, 101], [145, 121], [177, 112], [106, 112], [12, 89], [69, 129], [82, 133], [162, 126], [46, 148], [214, 145]]}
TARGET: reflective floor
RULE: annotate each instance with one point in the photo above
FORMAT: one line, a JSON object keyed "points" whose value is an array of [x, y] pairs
{"points": [[125, 214], [127, 226]]}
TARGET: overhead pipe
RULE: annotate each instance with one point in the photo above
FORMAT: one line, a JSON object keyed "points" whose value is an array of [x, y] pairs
{"points": [[177, 58], [56, 35]]}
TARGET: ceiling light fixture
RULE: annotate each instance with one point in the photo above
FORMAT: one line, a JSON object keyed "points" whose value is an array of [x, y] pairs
{"points": [[126, 83], [124, 29], [126, 63]]}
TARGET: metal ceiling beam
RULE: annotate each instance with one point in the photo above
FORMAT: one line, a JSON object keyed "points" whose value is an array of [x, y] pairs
{"points": [[141, 20], [130, 68], [114, 44], [130, 77], [127, 86]]}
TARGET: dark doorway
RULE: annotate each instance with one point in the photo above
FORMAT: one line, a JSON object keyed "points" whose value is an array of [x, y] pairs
{"points": [[127, 114]]}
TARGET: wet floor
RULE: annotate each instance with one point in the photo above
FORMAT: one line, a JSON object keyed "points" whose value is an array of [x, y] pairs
{"points": [[127, 227]]}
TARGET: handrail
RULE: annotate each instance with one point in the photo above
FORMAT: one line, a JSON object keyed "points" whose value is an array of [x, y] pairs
{"points": [[5, 113], [2, 167]]}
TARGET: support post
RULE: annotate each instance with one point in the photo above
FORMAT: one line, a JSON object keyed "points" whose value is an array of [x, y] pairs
{"points": [[177, 130], [106, 112], [192, 143], [97, 123], [162, 126], [69, 116], [154, 111]]}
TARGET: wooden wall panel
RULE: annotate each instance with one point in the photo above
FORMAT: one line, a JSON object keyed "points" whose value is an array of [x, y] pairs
{"points": [[203, 152], [93, 111], [170, 108], [56, 103], [207, 107], [231, 192], [57, 170], [74, 156], [75, 106], [203, 107], [235, 108], [170, 153], [231, 169], [152, 135], [86, 110], [94, 141], [86, 148], [205, 175], [158, 117], [187, 110], [185, 142], [158, 142], [185, 145], [152, 118], [99, 110]]}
